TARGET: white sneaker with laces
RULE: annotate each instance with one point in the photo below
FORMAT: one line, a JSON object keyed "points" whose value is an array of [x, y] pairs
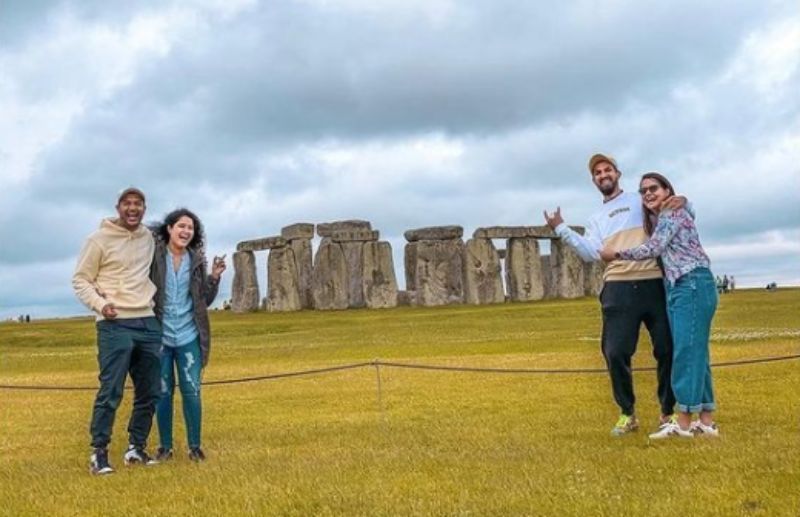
{"points": [[670, 429], [702, 429]]}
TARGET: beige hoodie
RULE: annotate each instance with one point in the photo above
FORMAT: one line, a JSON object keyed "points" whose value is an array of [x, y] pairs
{"points": [[114, 267]]}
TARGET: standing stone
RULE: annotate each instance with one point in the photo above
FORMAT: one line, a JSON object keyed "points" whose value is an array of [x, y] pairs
{"points": [[483, 282], [524, 274], [548, 283], [567, 270], [244, 297], [283, 293], [379, 282], [410, 263], [354, 258], [439, 272], [593, 277], [304, 263], [329, 280]]}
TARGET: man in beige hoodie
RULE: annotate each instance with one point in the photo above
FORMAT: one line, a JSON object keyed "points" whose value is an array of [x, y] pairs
{"points": [[112, 279]]}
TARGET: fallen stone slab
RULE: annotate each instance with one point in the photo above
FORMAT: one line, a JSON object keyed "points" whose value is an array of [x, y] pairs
{"points": [[298, 231], [434, 233], [327, 229], [266, 243]]}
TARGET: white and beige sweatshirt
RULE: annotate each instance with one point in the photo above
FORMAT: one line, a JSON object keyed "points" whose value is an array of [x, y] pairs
{"points": [[620, 225], [114, 267]]}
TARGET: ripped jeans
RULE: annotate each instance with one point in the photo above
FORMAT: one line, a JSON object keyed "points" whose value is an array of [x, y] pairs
{"points": [[188, 361]]}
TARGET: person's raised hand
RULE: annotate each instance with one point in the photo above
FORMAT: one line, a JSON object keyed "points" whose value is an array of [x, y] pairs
{"points": [[553, 220]]}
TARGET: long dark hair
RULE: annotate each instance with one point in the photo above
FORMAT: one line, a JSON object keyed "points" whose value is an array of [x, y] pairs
{"points": [[198, 241], [650, 217]]}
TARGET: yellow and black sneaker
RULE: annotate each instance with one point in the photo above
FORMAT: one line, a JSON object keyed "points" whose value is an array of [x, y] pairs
{"points": [[626, 424]]}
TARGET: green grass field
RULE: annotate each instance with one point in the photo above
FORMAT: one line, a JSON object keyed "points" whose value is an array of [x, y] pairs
{"points": [[435, 443]]}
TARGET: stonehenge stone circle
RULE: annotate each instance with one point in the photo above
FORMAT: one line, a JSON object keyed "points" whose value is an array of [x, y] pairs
{"points": [[352, 268]]}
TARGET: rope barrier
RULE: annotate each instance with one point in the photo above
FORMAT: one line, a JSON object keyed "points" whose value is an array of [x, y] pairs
{"points": [[376, 363]]}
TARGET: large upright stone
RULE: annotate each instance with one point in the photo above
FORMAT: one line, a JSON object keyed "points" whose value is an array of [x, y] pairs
{"points": [[379, 282], [439, 272], [283, 293], [244, 296], [567, 270], [327, 229], [410, 264], [434, 233], [304, 263], [354, 258], [548, 283], [593, 277], [524, 270], [329, 283], [483, 282]]}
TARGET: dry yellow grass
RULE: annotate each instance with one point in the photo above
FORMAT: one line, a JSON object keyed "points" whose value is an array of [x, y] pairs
{"points": [[436, 443]]}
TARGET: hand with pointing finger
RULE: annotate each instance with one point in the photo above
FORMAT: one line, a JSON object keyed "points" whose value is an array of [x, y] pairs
{"points": [[554, 220]]}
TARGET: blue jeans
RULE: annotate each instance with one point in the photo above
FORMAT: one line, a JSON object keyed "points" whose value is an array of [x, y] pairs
{"points": [[691, 304], [188, 361]]}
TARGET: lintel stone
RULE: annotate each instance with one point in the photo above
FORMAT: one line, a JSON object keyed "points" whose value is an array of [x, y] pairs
{"points": [[266, 243], [298, 231], [434, 233]]}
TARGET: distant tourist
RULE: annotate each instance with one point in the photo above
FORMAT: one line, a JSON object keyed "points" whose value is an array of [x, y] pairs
{"points": [[27, 318], [184, 293], [112, 279], [633, 292], [691, 301], [732, 283], [725, 283]]}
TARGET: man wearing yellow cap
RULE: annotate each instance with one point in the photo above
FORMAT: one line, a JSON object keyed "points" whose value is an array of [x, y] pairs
{"points": [[633, 291]]}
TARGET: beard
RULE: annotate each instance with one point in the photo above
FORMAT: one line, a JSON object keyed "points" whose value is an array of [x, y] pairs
{"points": [[607, 187]]}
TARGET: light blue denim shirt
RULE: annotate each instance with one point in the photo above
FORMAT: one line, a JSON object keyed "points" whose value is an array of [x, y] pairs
{"points": [[179, 327]]}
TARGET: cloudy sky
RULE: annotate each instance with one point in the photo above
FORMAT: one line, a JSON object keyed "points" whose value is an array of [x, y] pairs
{"points": [[406, 113]]}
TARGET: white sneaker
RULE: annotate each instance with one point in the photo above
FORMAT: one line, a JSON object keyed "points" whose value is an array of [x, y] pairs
{"points": [[701, 429], [670, 429]]}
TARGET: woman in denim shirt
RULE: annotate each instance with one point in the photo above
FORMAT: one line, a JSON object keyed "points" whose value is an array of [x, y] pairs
{"points": [[691, 303], [184, 292]]}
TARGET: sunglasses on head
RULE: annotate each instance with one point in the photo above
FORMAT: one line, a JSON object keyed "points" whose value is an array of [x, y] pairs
{"points": [[651, 189]]}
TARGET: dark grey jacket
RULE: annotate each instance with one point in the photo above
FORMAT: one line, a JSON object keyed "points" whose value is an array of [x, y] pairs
{"points": [[202, 287]]}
